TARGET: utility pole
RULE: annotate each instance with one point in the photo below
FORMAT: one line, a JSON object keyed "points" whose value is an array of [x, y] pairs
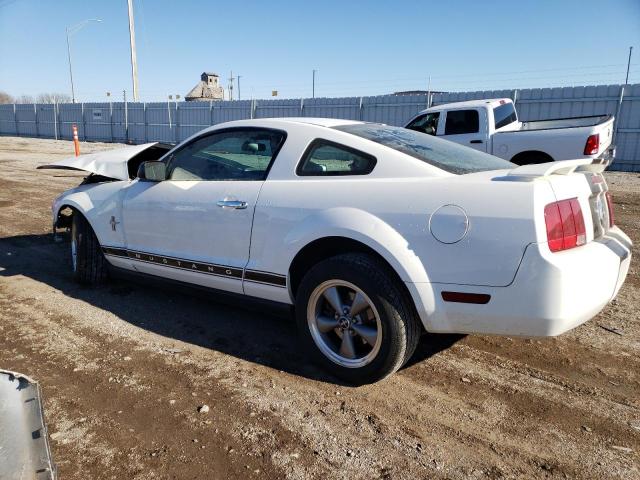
{"points": [[126, 115], [231, 85], [134, 61], [110, 115], [239, 77], [626, 81], [313, 84]]}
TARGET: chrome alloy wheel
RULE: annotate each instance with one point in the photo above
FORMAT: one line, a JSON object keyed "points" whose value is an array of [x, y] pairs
{"points": [[344, 323]]}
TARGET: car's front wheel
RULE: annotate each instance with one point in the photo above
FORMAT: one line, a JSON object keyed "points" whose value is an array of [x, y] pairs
{"points": [[87, 260], [355, 319]]}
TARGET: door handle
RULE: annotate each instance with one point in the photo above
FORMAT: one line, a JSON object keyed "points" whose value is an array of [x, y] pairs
{"points": [[475, 141], [237, 204]]}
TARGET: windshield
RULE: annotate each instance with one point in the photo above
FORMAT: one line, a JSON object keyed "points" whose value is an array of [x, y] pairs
{"points": [[443, 154]]}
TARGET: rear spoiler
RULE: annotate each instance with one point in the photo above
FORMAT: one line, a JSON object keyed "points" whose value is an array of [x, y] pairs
{"points": [[562, 167]]}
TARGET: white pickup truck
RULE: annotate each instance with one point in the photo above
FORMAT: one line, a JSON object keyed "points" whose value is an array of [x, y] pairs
{"points": [[492, 126]]}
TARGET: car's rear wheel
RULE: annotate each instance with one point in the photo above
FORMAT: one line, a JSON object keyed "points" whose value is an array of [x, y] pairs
{"points": [[87, 260], [354, 318]]}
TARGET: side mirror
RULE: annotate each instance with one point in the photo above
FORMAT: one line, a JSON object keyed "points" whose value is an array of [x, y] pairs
{"points": [[152, 171]]}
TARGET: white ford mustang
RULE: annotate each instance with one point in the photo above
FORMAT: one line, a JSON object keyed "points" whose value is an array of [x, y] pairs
{"points": [[374, 233]]}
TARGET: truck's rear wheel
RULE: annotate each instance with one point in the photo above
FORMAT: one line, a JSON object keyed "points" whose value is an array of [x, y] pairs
{"points": [[354, 318], [87, 260]]}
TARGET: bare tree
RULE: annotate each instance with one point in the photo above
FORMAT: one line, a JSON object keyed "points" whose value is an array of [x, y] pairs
{"points": [[41, 98], [53, 98], [5, 97], [23, 99]]}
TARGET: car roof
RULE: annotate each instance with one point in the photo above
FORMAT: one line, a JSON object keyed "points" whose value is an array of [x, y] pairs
{"points": [[494, 102], [279, 121], [322, 122]]}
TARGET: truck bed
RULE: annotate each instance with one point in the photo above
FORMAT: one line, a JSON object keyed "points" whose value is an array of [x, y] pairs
{"points": [[575, 122]]}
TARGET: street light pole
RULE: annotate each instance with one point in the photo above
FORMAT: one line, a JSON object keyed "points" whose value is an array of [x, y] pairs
{"points": [[70, 31], [73, 93], [239, 77]]}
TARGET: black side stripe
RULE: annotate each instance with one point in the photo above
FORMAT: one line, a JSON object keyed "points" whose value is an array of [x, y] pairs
{"points": [[205, 268], [265, 277], [117, 252]]}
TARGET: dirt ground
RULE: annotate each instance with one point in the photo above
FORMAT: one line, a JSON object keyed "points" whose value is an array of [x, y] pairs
{"points": [[124, 368]]}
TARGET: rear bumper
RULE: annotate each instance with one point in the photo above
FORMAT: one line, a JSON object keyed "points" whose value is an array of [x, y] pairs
{"points": [[608, 155], [551, 292]]}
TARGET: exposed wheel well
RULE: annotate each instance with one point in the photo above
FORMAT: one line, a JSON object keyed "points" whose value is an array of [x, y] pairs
{"points": [[327, 247], [531, 157], [65, 216]]}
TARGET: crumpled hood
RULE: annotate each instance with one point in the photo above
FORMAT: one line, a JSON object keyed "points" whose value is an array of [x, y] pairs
{"points": [[109, 163]]}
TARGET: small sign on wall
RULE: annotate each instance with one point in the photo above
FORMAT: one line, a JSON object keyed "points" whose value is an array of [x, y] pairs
{"points": [[97, 114]]}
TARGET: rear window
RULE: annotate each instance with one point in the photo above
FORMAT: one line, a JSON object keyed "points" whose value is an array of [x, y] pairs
{"points": [[462, 121], [444, 154], [504, 115], [325, 158]]}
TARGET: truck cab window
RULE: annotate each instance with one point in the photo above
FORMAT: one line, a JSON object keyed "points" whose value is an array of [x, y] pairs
{"points": [[427, 123], [462, 121], [504, 115]]}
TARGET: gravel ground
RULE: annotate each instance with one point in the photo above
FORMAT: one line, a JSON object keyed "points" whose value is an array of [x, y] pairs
{"points": [[124, 369]]}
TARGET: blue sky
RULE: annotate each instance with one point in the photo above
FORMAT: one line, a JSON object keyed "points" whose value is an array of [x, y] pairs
{"points": [[358, 47]]}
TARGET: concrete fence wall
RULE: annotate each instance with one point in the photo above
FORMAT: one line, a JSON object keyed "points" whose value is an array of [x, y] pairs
{"points": [[174, 121]]}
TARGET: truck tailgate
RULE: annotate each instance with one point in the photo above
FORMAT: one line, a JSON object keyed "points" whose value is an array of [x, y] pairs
{"points": [[605, 132]]}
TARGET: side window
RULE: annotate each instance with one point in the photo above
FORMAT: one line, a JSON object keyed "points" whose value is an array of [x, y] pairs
{"points": [[242, 154], [427, 123], [325, 158], [462, 121]]}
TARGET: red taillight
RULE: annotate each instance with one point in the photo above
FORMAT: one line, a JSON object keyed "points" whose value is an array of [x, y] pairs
{"points": [[610, 208], [565, 225], [593, 145], [596, 178]]}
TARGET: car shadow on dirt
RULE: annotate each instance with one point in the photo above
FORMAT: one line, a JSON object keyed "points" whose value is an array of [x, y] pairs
{"points": [[253, 331]]}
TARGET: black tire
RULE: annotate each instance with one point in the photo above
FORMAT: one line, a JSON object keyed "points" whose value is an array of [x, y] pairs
{"points": [[400, 326], [90, 266]]}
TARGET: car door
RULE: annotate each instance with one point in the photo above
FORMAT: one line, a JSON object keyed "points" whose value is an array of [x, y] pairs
{"points": [[195, 226], [466, 127]]}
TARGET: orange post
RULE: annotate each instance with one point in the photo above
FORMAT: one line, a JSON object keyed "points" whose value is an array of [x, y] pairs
{"points": [[76, 143]]}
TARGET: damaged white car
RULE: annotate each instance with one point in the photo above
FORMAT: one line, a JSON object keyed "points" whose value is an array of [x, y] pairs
{"points": [[374, 233]]}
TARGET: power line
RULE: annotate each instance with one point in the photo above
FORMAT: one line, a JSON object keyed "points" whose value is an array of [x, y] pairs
{"points": [[505, 76]]}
